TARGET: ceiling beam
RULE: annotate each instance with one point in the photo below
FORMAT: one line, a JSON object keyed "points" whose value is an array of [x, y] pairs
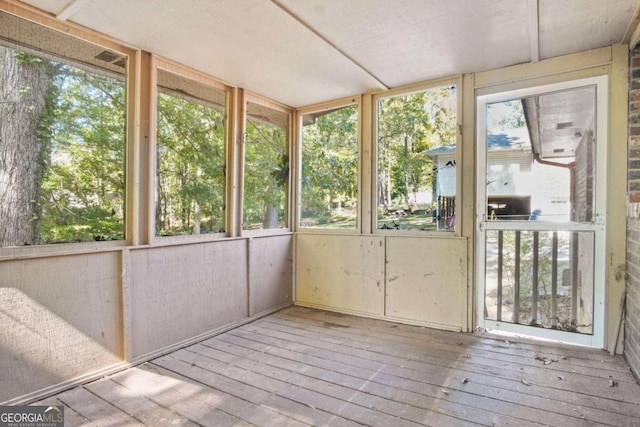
{"points": [[534, 30], [632, 34], [71, 9], [328, 42]]}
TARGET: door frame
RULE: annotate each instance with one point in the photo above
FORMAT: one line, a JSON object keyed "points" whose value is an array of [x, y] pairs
{"points": [[597, 339]]}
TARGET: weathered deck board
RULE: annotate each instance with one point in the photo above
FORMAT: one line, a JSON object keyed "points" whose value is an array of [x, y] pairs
{"points": [[427, 408], [546, 375], [590, 358], [291, 389], [200, 403], [575, 389], [349, 390], [95, 409], [136, 405], [308, 367], [429, 376], [71, 417], [302, 413], [470, 399], [499, 352]]}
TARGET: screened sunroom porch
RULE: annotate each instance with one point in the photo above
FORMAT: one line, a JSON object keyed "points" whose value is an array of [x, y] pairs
{"points": [[196, 167]]}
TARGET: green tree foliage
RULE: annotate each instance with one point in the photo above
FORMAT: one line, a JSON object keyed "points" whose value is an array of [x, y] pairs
{"points": [[78, 177], [190, 166], [330, 168], [83, 189], [408, 125], [502, 116], [266, 171]]}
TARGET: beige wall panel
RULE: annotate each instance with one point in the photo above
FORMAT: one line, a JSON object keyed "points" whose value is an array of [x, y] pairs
{"points": [[344, 273], [59, 319], [616, 194], [180, 292], [427, 281], [271, 270], [547, 67]]}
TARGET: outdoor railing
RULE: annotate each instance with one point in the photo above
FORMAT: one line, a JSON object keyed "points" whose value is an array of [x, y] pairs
{"points": [[540, 278]]}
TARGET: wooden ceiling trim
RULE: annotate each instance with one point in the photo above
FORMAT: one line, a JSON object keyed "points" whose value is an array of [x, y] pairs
{"points": [[70, 9], [37, 16], [534, 30], [632, 34]]}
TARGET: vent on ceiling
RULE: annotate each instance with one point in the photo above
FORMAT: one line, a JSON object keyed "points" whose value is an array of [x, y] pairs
{"points": [[122, 62], [112, 58], [564, 125]]}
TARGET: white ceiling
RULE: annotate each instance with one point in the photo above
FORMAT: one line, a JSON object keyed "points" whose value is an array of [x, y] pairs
{"points": [[304, 52]]}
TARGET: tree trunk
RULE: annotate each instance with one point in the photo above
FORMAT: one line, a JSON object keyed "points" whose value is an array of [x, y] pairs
{"points": [[25, 82], [161, 198], [270, 217], [387, 182], [196, 208], [196, 217]]}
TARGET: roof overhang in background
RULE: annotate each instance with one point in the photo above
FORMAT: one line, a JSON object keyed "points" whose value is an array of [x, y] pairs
{"points": [[508, 140], [558, 121], [304, 52]]}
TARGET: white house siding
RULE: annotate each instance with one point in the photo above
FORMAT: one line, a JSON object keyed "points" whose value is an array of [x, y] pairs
{"points": [[509, 173], [513, 173], [446, 175], [551, 192]]}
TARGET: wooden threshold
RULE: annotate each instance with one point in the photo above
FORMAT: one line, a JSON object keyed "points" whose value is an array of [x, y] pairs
{"points": [[303, 366]]}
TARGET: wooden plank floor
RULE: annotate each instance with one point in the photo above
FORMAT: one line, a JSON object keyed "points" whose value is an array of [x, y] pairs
{"points": [[308, 367]]}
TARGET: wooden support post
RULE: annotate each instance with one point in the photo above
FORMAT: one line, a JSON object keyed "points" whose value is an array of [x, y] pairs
{"points": [[534, 290], [516, 284], [574, 278], [500, 262], [554, 281]]}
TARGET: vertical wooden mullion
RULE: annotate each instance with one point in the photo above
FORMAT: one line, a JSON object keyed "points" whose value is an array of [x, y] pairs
{"points": [[241, 105], [534, 290], [465, 158], [366, 190], [235, 152], [148, 148], [295, 167], [135, 134], [500, 265], [291, 181], [516, 288], [554, 281], [574, 278]]}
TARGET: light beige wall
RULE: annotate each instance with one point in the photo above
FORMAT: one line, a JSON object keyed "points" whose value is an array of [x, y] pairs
{"points": [[60, 318], [270, 272], [67, 317], [340, 272], [410, 279], [178, 292], [426, 281]]}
